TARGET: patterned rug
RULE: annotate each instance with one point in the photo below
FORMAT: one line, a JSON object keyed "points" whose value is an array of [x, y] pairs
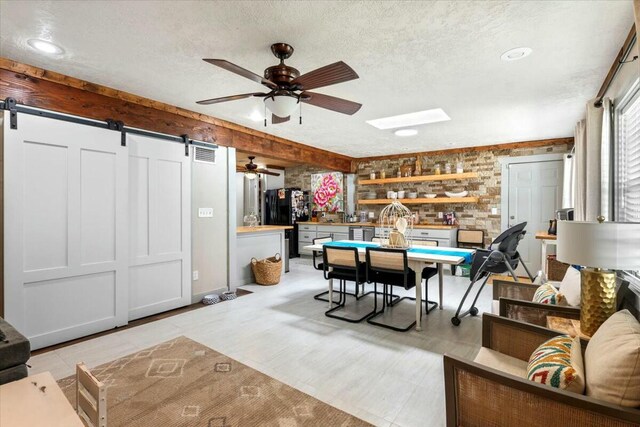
{"points": [[183, 383]]}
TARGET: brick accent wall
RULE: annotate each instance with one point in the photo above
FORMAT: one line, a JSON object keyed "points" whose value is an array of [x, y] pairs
{"points": [[487, 186]]}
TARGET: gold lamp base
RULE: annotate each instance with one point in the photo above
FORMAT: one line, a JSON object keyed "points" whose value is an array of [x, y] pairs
{"points": [[597, 298]]}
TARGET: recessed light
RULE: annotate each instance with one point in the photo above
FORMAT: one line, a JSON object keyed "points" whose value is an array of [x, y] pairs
{"points": [[406, 132], [45, 46], [410, 119], [515, 54]]}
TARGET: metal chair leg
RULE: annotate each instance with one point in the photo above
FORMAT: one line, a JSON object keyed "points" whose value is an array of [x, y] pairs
{"points": [[472, 310]]}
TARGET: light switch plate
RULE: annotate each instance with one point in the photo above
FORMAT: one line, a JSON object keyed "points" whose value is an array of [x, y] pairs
{"points": [[494, 211], [440, 215], [196, 274], [205, 212]]}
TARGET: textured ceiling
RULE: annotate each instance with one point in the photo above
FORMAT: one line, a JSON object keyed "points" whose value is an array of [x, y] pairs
{"points": [[410, 56]]}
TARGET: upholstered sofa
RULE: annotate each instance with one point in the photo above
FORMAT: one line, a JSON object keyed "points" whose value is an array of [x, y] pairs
{"points": [[15, 351], [493, 389]]}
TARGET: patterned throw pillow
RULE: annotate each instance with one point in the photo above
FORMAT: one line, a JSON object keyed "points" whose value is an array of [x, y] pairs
{"points": [[558, 363], [548, 294]]}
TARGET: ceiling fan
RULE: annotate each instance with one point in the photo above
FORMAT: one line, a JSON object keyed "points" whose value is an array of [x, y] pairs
{"points": [[251, 170], [288, 88]]}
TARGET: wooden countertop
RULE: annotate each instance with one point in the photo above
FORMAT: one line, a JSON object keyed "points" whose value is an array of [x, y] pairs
{"points": [[261, 228], [374, 224], [543, 235]]}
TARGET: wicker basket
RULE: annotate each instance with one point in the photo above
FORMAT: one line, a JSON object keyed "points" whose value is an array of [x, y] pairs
{"points": [[555, 269], [267, 271]]}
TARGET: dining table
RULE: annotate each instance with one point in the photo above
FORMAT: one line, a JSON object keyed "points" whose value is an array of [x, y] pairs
{"points": [[418, 257]]}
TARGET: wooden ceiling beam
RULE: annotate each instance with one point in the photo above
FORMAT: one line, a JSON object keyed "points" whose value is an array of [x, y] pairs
{"points": [[49, 90]]}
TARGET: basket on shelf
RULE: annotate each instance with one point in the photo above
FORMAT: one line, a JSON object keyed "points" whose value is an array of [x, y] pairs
{"points": [[267, 271]]}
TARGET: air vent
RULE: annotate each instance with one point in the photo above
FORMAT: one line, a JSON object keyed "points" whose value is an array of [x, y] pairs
{"points": [[204, 154]]}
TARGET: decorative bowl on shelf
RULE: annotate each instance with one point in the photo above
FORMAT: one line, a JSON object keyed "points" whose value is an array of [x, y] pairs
{"points": [[460, 194], [370, 196], [412, 195], [430, 195], [392, 195], [401, 194]]}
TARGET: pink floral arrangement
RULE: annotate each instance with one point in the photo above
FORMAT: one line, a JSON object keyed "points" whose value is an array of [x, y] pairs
{"points": [[327, 191]]}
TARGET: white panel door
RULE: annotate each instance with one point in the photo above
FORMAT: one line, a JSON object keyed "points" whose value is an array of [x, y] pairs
{"points": [[65, 229], [535, 193], [159, 226]]}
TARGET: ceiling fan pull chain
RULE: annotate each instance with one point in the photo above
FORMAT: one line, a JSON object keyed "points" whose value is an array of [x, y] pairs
{"points": [[265, 114], [300, 111]]}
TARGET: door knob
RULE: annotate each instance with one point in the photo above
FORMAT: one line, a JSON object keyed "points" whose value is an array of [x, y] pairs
{"points": [[512, 217]]}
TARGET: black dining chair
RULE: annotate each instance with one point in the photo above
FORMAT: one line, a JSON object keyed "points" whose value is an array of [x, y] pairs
{"points": [[389, 267], [316, 257], [343, 264], [427, 273]]}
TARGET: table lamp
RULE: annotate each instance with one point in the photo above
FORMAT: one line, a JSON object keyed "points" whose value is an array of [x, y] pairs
{"points": [[600, 247]]}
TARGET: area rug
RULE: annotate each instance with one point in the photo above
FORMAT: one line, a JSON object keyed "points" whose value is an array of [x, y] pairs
{"points": [[183, 383]]}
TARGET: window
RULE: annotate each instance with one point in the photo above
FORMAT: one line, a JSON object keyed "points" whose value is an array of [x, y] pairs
{"points": [[627, 158]]}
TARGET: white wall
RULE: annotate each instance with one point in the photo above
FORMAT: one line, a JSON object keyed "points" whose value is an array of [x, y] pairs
{"points": [[239, 197], [274, 182], [210, 236]]}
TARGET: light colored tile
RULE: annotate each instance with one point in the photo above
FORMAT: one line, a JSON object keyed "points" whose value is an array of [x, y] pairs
{"points": [[382, 376]]}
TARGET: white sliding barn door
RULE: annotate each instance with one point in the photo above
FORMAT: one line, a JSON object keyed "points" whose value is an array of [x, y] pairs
{"points": [[65, 229], [159, 226]]}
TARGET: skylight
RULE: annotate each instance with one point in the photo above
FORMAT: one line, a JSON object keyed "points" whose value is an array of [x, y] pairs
{"points": [[412, 119]]}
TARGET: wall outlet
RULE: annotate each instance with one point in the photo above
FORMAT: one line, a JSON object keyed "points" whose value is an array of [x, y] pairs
{"points": [[205, 212], [494, 211], [196, 274], [440, 215]]}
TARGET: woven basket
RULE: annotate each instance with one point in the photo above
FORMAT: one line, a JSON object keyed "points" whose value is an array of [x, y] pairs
{"points": [[267, 271], [555, 269]]}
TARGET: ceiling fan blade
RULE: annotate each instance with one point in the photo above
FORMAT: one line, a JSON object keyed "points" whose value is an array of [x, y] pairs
{"points": [[241, 72], [331, 103], [277, 119], [229, 98], [267, 172], [325, 76]]}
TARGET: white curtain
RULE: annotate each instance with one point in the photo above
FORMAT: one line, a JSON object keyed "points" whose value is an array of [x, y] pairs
{"points": [[588, 142], [569, 181], [580, 165], [606, 190]]}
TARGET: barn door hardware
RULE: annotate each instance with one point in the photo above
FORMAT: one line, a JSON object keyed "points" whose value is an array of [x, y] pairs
{"points": [[185, 141], [119, 126], [10, 105]]}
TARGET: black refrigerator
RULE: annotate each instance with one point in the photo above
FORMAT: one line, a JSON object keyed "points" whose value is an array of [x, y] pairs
{"points": [[287, 206]]}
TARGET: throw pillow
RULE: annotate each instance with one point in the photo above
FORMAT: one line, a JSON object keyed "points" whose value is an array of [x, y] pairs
{"points": [[558, 363], [570, 287], [612, 361], [548, 294]]}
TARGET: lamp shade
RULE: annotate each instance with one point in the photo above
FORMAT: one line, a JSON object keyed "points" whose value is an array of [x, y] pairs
{"points": [[608, 245], [281, 105]]}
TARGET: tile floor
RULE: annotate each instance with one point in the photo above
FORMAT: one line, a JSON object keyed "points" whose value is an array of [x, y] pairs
{"points": [[385, 377]]}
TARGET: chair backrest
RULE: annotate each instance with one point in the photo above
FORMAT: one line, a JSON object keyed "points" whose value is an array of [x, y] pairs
{"points": [[424, 243], [318, 254], [340, 257], [508, 241], [387, 260], [376, 240], [91, 398], [471, 237]]}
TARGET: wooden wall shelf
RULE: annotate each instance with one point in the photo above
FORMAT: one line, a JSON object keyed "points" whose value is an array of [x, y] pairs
{"points": [[421, 178], [437, 200]]}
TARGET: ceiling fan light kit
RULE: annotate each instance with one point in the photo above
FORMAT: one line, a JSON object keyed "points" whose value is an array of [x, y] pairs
{"points": [[288, 88]]}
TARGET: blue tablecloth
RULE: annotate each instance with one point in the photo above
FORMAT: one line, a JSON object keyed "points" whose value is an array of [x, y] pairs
{"points": [[466, 255]]}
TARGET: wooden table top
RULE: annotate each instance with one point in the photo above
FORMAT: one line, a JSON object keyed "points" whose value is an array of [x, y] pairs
{"points": [[543, 235], [260, 228], [23, 404]]}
